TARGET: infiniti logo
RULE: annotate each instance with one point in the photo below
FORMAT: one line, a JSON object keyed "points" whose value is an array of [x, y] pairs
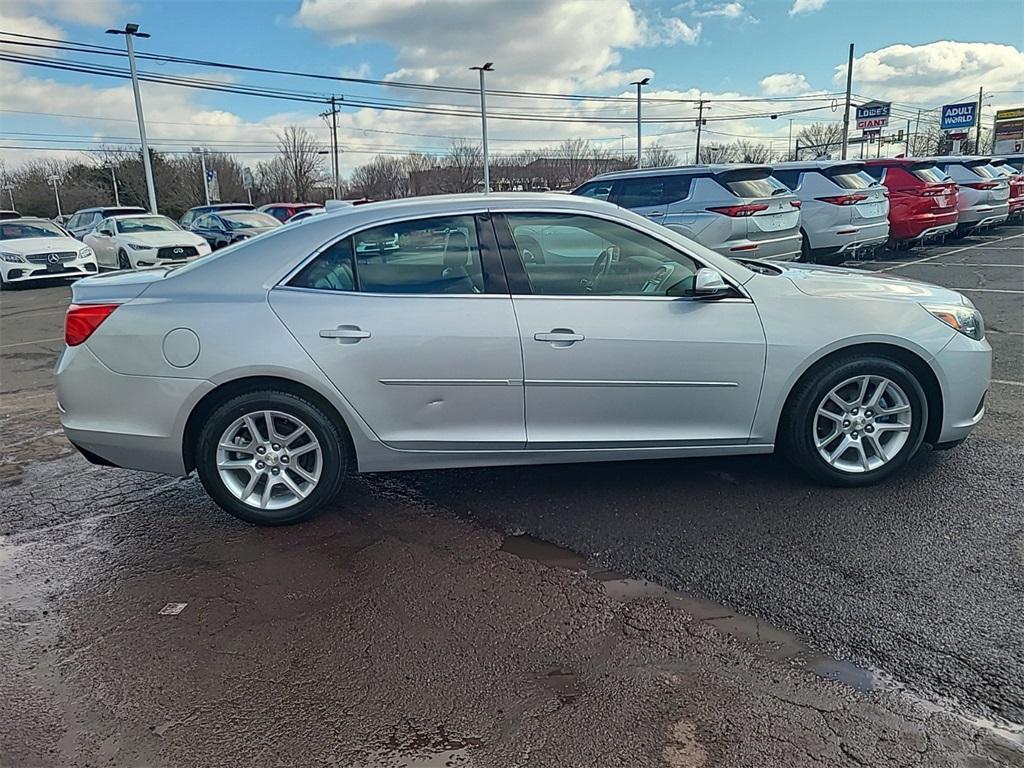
{"points": [[53, 258], [178, 250]]}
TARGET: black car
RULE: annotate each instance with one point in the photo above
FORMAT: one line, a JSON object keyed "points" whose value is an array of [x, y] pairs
{"points": [[86, 220], [7, 213], [227, 227], [194, 213]]}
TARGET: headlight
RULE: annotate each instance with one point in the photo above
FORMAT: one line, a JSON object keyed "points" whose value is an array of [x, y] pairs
{"points": [[137, 247], [17, 258], [966, 320], [86, 253]]}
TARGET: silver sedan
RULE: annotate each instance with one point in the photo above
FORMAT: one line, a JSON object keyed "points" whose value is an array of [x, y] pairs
{"points": [[504, 329]]}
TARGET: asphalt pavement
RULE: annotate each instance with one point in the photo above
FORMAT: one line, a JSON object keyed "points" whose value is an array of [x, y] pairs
{"points": [[677, 613]]}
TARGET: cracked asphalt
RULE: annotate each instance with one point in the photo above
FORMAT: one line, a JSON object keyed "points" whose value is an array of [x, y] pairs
{"points": [[676, 613]]}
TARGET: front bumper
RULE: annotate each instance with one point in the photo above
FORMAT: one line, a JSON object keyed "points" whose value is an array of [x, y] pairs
{"points": [[18, 272], [136, 422], [964, 369]]}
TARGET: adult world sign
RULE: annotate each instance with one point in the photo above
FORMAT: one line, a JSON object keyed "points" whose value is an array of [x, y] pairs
{"points": [[956, 116]]}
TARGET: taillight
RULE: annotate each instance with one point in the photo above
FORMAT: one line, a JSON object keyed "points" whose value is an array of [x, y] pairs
{"points": [[843, 199], [795, 203], [82, 319], [737, 211], [983, 185]]}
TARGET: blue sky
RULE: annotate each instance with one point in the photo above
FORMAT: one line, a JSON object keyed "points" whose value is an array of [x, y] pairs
{"points": [[914, 52]]}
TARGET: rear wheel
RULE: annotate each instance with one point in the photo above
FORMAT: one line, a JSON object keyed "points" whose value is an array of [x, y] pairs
{"points": [[856, 422], [806, 255], [271, 457]]}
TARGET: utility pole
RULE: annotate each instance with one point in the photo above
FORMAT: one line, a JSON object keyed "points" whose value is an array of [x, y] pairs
{"points": [[700, 124], [789, 148], [639, 130], [201, 151], [622, 147], [55, 179], [113, 180], [846, 112], [977, 124], [796, 155], [130, 32], [906, 151], [10, 192], [917, 127], [488, 67], [335, 165]]}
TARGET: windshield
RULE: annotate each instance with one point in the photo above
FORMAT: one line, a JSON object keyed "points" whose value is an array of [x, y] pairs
{"points": [[930, 174], [145, 224], [248, 220], [17, 231], [850, 177]]}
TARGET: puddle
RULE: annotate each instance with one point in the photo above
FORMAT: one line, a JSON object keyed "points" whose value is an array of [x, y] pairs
{"points": [[775, 643], [449, 758]]}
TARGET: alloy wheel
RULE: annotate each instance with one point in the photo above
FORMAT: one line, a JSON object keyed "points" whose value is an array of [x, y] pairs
{"points": [[862, 424], [269, 459]]}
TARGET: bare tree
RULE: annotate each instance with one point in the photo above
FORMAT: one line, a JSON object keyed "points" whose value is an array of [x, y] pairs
{"points": [[302, 164], [818, 139], [464, 162], [657, 156]]}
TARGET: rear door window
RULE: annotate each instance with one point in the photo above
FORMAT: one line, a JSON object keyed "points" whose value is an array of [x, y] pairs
{"points": [[599, 190], [648, 191], [849, 176], [752, 182]]}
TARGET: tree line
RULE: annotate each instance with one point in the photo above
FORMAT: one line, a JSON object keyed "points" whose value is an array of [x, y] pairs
{"points": [[298, 170]]}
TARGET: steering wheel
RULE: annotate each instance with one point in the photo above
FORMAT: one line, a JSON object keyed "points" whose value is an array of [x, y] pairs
{"points": [[531, 250], [660, 279], [602, 266]]}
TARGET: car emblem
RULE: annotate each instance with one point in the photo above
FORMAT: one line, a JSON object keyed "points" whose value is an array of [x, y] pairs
{"points": [[53, 258], [178, 250]]}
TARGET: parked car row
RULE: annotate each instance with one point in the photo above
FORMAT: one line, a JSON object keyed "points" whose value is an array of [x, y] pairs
{"points": [[820, 210]]}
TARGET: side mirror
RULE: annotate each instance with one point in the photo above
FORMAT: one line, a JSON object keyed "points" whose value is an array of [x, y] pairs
{"points": [[709, 283]]}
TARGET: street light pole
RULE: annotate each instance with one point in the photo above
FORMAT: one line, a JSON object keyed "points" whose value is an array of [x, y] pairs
{"points": [[113, 179], [54, 180], [10, 192], [202, 162], [488, 67], [131, 31], [789, 150], [639, 129], [700, 124], [846, 112]]}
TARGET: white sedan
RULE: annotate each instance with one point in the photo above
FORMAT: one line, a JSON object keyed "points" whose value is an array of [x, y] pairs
{"points": [[34, 249], [135, 241]]}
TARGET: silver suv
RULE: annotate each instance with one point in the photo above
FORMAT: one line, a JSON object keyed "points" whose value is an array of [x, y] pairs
{"points": [[984, 199], [736, 210], [843, 211]]}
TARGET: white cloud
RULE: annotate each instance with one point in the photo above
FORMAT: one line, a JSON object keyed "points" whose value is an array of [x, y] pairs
{"points": [[784, 84], [361, 71], [669, 31], [806, 6], [733, 10], [936, 72]]}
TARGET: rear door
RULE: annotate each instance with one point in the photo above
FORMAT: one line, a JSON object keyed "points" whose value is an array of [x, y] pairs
{"points": [[421, 339], [647, 195]]}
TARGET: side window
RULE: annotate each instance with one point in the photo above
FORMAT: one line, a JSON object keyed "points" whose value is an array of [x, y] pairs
{"points": [[73, 221], [790, 178], [204, 222], [106, 227], [877, 172], [330, 271], [571, 255], [599, 190], [186, 219], [440, 255], [649, 191]]}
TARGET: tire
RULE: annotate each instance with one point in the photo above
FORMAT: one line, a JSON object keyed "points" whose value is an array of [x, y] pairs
{"points": [[802, 425], [123, 262], [806, 255], [224, 487]]}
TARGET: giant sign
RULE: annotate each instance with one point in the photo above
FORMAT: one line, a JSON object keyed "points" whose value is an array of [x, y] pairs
{"points": [[873, 116], [956, 116]]}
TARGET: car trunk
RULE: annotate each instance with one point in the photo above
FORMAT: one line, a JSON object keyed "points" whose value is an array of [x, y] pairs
{"points": [[771, 202], [116, 288], [939, 190], [994, 187], [870, 202]]}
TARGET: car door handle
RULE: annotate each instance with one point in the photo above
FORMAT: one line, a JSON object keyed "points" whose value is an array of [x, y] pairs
{"points": [[559, 337], [654, 213], [345, 334]]}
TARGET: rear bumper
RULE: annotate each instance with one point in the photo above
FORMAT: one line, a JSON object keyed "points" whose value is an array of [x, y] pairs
{"points": [[136, 422], [851, 238], [964, 368], [983, 216], [924, 227], [786, 247]]}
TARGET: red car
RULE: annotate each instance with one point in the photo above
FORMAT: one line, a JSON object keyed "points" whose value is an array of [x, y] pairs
{"points": [[1014, 170], [284, 211], [922, 199]]}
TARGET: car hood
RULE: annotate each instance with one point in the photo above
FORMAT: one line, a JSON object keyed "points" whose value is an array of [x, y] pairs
{"points": [[162, 239], [27, 245], [842, 283]]}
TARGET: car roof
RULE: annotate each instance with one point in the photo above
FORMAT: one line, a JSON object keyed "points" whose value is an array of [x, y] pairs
{"points": [[958, 159], [218, 206], [811, 165], [146, 215], [874, 161], [110, 208], [21, 219], [680, 170]]}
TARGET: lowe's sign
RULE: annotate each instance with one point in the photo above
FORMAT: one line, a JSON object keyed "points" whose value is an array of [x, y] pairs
{"points": [[956, 116], [873, 116]]}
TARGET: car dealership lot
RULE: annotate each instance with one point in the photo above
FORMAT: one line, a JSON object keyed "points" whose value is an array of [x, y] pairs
{"points": [[413, 619]]}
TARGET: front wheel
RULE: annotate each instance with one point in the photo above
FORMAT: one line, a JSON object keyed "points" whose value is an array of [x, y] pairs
{"points": [[856, 422], [123, 262], [271, 457]]}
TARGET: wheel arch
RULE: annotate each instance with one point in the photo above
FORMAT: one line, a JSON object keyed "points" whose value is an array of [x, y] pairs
{"points": [[226, 390], [914, 362]]}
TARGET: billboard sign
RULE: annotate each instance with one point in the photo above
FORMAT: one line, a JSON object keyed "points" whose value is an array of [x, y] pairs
{"points": [[956, 116], [873, 116], [1008, 137]]}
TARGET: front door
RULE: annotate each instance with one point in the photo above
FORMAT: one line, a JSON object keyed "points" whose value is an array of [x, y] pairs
{"points": [[414, 325], [101, 241], [623, 357]]}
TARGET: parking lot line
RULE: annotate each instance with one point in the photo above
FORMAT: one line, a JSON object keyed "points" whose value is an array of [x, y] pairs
{"points": [[987, 290], [26, 343], [948, 253], [1006, 383]]}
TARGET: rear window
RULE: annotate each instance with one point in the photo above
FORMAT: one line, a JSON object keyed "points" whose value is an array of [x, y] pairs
{"points": [[849, 177], [757, 182], [984, 169], [122, 211], [928, 173]]}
